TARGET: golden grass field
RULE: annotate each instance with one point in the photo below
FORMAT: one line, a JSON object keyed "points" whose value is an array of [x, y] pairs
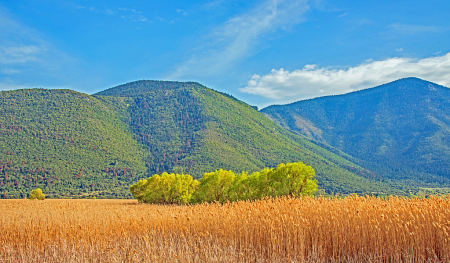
{"points": [[354, 229]]}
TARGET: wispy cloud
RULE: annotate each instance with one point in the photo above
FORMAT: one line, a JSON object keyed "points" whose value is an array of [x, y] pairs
{"points": [[342, 15], [25, 57], [19, 45], [236, 38], [18, 55], [362, 22], [214, 4], [109, 12], [414, 29], [181, 11], [9, 71], [283, 86], [125, 13], [324, 6]]}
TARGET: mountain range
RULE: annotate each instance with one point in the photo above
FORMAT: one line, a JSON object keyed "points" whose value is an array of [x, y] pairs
{"points": [[400, 130], [76, 145]]}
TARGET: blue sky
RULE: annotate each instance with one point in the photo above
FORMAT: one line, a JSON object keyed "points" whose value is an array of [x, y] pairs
{"points": [[263, 52]]}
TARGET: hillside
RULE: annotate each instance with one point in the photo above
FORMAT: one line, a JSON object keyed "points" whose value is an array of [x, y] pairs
{"points": [[400, 129], [76, 145], [66, 143], [186, 127]]}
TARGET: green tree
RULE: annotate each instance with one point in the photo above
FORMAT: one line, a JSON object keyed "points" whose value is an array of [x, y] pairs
{"points": [[36, 194], [292, 179], [139, 189], [286, 179], [215, 186], [165, 189], [240, 189]]}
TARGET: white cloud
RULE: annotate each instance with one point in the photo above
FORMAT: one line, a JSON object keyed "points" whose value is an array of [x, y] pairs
{"points": [[26, 58], [399, 49], [20, 46], [109, 12], [9, 71], [182, 12], [283, 86], [235, 39], [18, 55], [413, 29]]}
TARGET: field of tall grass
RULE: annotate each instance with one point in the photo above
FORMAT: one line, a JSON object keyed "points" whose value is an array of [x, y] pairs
{"points": [[353, 229]]}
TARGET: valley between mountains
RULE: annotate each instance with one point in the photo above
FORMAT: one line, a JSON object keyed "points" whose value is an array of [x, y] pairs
{"points": [[391, 139]]}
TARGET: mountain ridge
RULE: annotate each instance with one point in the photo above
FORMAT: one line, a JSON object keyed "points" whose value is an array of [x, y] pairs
{"points": [[401, 123]]}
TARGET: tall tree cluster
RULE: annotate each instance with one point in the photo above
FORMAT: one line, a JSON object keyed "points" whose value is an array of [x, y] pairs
{"points": [[222, 186]]}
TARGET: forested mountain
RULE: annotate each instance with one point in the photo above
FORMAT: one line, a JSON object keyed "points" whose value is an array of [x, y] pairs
{"points": [[66, 143], [75, 145], [186, 127], [400, 129]]}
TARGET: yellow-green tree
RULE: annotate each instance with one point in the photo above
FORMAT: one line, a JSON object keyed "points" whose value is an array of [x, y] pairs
{"points": [[36, 194], [286, 179], [240, 189], [139, 189], [291, 179], [215, 186], [165, 189]]}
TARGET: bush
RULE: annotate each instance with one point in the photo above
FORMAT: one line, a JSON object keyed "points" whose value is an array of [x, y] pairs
{"points": [[36, 194]]}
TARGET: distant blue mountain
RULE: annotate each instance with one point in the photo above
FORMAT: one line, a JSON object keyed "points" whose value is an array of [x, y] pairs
{"points": [[400, 129]]}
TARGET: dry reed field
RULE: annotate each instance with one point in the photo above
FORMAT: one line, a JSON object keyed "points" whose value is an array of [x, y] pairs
{"points": [[354, 229]]}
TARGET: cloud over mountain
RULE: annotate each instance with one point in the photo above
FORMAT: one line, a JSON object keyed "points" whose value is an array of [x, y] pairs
{"points": [[284, 86]]}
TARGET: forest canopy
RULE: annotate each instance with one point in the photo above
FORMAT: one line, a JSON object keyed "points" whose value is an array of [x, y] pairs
{"points": [[296, 179]]}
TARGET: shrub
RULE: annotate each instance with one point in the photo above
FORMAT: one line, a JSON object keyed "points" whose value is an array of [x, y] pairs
{"points": [[36, 194]]}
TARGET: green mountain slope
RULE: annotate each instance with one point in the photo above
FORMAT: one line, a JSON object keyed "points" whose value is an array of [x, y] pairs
{"points": [[186, 127], [66, 143], [400, 129], [75, 145]]}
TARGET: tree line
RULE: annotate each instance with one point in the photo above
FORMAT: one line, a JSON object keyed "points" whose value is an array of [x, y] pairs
{"points": [[225, 186]]}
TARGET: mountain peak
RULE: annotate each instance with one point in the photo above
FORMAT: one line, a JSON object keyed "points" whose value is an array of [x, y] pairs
{"points": [[409, 80], [140, 87]]}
